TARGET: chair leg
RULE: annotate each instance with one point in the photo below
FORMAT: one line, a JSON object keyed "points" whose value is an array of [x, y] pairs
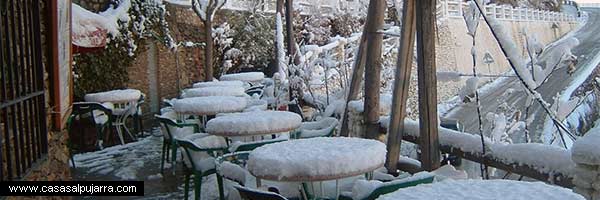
{"points": [[186, 187], [220, 184], [174, 156], [168, 148], [162, 157], [197, 186]]}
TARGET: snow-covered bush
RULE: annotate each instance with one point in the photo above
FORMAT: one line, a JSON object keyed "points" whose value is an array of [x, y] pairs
{"points": [[251, 36], [133, 22], [346, 24]]}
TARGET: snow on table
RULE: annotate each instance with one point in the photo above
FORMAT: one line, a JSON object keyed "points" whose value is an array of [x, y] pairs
{"points": [[114, 96], [209, 105], [483, 189], [218, 84], [316, 159], [214, 91], [253, 123], [246, 76]]}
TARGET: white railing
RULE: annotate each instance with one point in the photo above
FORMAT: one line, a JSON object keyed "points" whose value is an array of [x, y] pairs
{"points": [[455, 8], [445, 9]]}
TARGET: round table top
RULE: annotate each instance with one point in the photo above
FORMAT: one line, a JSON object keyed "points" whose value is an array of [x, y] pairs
{"points": [[114, 96], [483, 189], [316, 159], [245, 76], [253, 123], [210, 105]]}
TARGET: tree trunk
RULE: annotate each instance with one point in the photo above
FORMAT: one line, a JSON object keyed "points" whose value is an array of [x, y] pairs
{"points": [[278, 9], [373, 67], [208, 50], [401, 85], [428, 118]]}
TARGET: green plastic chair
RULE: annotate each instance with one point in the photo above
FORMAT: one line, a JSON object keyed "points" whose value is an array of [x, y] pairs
{"points": [[389, 187], [238, 158], [197, 167], [170, 145], [249, 146], [253, 194], [88, 110], [325, 127]]}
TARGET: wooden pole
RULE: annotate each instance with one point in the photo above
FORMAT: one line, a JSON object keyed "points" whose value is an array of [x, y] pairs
{"points": [[401, 85], [426, 69], [373, 67], [358, 71], [289, 26]]}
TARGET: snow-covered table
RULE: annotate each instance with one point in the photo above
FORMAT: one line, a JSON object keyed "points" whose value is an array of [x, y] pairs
{"points": [[125, 105], [210, 105], [218, 84], [214, 91], [246, 76], [483, 189], [253, 123], [316, 159], [114, 96]]}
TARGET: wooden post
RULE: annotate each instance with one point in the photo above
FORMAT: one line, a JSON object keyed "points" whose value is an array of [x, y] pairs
{"points": [[401, 85], [373, 66], [289, 26], [357, 75], [428, 118]]}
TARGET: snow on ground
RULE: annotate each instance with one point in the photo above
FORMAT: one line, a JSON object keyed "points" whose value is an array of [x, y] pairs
{"points": [[140, 161]]}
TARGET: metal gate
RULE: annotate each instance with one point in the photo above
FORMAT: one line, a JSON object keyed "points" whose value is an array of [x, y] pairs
{"points": [[22, 114]]}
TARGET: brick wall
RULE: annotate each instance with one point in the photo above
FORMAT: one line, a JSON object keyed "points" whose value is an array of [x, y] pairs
{"points": [[185, 26]]}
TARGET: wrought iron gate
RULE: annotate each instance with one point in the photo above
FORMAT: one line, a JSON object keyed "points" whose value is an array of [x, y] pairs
{"points": [[22, 114]]}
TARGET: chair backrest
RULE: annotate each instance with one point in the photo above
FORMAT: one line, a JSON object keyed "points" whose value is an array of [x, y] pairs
{"points": [[249, 146], [254, 194], [168, 124], [322, 128], [192, 149], [395, 185], [81, 108], [255, 90], [232, 166]]}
